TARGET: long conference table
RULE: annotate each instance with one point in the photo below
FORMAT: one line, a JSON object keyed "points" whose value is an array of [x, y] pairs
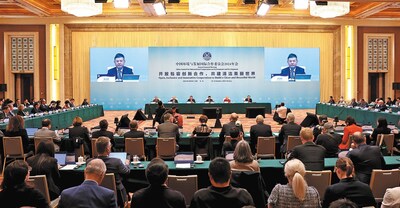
{"points": [[366, 117], [63, 119], [197, 108]]}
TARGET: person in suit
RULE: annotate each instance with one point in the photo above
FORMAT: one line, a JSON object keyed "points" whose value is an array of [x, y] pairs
{"points": [[168, 128], [322, 119], [221, 193], [173, 100], [259, 130], [159, 113], [236, 136], [36, 108], [292, 70], [203, 129], [225, 131], [135, 133], [282, 111], [89, 193], [21, 111], [46, 131], [5, 112], [79, 131], [155, 99], [382, 128], [381, 106], [119, 70], [85, 102], [157, 194], [44, 163], [43, 107], [191, 100], [289, 129], [309, 153], [209, 100], [350, 129], [348, 187], [114, 165], [365, 158], [17, 103], [11, 107], [329, 140], [248, 99], [103, 124], [15, 192], [16, 128]]}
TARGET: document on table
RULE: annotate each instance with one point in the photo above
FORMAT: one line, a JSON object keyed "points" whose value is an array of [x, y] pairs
{"points": [[68, 167], [182, 165]]}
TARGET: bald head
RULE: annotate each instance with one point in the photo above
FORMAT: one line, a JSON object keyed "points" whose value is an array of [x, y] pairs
{"points": [[290, 117], [234, 117], [95, 170], [358, 138]]}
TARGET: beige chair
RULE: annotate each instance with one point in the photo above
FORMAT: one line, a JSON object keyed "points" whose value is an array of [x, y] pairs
{"points": [[266, 147], [320, 180], [383, 179], [94, 149], [39, 182], [135, 146], [13, 149], [228, 139], [187, 185], [388, 140], [79, 152], [37, 141], [166, 148], [292, 142], [109, 182]]}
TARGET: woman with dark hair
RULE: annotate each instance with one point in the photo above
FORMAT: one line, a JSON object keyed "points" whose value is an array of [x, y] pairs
{"points": [[348, 187], [203, 129], [382, 128], [243, 159], [44, 163], [16, 128], [349, 130], [80, 133], [15, 192]]}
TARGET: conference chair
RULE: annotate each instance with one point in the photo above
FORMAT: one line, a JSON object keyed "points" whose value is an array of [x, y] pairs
{"points": [[228, 139], [292, 142], [37, 141], [202, 145], [39, 182], [320, 180], [166, 148], [187, 185], [13, 149], [109, 182], [79, 152], [135, 146], [386, 139], [253, 182], [94, 149], [265, 147], [383, 179]]}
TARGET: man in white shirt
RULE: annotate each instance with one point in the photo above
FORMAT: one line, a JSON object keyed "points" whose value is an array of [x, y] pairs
{"points": [[282, 112]]}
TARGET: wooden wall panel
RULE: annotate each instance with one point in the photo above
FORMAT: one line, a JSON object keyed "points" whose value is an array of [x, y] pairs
{"points": [[82, 40]]}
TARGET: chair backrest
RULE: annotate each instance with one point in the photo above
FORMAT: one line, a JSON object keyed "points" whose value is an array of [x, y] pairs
{"points": [[166, 147], [201, 145], [135, 146], [228, 139], [292, 142], [253, 182], [266, 146], [383, 179], [320, 180], [388, 139], [187, 185], [79, 152], [12, 146], [109, 182], [37, 141], [39, 182], [94, 149]]}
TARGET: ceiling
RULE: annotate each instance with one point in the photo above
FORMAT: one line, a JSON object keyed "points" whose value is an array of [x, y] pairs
{"points": [[359, 9]]}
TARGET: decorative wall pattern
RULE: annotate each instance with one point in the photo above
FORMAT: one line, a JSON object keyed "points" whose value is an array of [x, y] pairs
{"points": [[22, 54], [378, 54]]}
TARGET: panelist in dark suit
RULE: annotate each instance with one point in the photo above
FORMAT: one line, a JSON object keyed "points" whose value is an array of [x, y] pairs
{"points": [[103, 132], [89, 193], [258, 130], [309, 153], [292, 70], [79, 131], [365, 158], [119, 70]]}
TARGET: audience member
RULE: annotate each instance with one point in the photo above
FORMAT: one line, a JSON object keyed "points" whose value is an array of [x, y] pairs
{"points": [[89, 193], [348, 187], [36, 108], [157, 194], [322, 119], [46, 131], [363, 103], [310, 154], [114, 165], [11, 107], [85, 102], [220, 193], [15, 192], [17, 103], [343, 203], [72, 102], [353, 103], [258, 130], [135, 133], [44, 163], [382, 128], [178, 118], [296, 193], [79, 132], [5, 112], [236, 136], [160, 110], [202, 129], [289, 129], [168, 128], [243, 159], [365, 158], [381, 106], [15, 127], [21, 111], [350, 129], [389, 101], [43, 107], [103, 124], [329, 140], [225, 131], [331, 100], [282, 113], [391, 199], [342, 101]]}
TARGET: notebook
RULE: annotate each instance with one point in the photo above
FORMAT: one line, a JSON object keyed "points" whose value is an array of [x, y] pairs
{"points": [[119, 155]]}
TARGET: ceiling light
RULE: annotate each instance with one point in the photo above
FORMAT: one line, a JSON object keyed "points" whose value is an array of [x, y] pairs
{"points": [[208, 8], [159, 8], [121, 4], [81, 8], [300, 4], [330, 10]]}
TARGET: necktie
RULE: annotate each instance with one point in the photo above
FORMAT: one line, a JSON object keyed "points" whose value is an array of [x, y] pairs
{"points": [[119, 76]]}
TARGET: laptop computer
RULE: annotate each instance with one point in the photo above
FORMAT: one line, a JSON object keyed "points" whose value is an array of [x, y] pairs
{"points": [[61, 158], [184, 157], [339, 128], [119, 155], [31, 131]]}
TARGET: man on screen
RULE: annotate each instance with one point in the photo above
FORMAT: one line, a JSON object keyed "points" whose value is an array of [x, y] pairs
{"points": [[119, 70], [292, 70]]}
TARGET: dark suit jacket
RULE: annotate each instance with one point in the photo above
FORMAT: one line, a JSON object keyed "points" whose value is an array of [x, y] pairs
{"points": [[115, 165], [82, 132], [311, 155], [286, 71], [105, 133], [331, 143], [24, 197], [168, 129], [350, 189], [380, 130], [125, 70], [159, 113], [136, 134], [88, 194], [225, 131], [290, 129], [23, 134], [365, 158], [258, 130], [34, 110], [43, 107], [158, 197]]}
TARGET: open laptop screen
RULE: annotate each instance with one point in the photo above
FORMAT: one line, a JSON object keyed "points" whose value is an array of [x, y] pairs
{"points": [[31, 131], [184, 157], [119, 155], [61, 157]]}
